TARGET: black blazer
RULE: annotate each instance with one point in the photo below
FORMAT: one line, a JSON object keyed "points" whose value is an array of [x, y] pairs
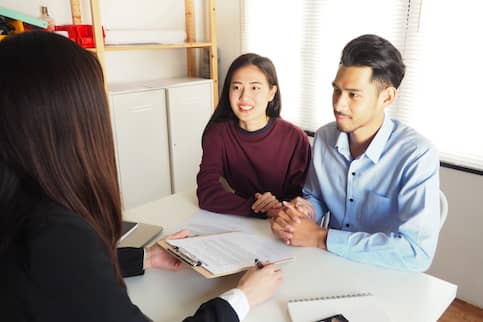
{"points": [[57, 269]]}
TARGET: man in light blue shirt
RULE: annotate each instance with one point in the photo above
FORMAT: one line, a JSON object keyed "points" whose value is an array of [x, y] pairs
{"points": [[378, 178]]}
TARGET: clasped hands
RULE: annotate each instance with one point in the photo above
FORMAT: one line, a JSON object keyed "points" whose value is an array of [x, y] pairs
{"points": [[294, 223]]}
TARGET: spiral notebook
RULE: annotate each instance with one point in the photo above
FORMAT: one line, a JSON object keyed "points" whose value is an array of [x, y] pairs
{"points": [[357, 307]]}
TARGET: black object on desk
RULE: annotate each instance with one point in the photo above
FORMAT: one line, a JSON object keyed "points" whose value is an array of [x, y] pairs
{"points": [[138, 234], [334, 318]]}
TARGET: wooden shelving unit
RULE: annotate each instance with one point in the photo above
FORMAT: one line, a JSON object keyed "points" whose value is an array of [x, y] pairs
{"points": [[190, 45]]}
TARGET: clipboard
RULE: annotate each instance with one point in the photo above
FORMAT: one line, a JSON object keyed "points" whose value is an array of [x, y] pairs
{"points": [[202, 253], [190, 260]]}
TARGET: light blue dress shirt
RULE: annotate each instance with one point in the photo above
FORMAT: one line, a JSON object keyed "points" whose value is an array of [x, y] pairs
{"points": [[384, 205]]}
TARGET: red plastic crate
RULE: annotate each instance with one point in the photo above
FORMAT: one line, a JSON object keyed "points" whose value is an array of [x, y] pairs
{"points": [[81, 34]]}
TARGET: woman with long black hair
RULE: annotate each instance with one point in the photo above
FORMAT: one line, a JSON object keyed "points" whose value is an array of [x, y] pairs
{"points": [[60, 207], [252, 158]]}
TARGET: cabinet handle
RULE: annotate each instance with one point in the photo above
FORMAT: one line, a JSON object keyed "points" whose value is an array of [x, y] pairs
{"points": [[140, 108]]}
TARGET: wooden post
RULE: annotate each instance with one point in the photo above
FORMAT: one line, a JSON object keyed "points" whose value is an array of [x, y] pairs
{"points": [[190, 37], [98, 38], [76, 12], [213, 51]]}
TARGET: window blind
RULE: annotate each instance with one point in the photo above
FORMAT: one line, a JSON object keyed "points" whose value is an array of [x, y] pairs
{"points": [[438, 96], [440, 47], [305, 38]]}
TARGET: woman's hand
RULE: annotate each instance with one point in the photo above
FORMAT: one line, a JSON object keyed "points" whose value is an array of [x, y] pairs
{"points": [[265, 202], [260, 284], [156, 257]]}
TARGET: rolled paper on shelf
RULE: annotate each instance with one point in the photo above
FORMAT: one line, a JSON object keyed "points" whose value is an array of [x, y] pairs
{"points": [[144, 36]]}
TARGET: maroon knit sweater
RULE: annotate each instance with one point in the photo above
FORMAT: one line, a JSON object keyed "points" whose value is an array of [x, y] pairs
{"points": [[273, 159]]}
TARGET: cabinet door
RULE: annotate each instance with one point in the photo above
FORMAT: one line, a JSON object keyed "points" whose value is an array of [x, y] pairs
{"points": [[142, 146], [189, 109]]}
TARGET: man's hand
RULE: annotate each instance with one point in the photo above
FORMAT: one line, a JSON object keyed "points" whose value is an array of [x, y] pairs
{"points": [[157, 257], [274, 212], [305, 207], [294, 228], [309, 234], [284, 223], [265, 202]]}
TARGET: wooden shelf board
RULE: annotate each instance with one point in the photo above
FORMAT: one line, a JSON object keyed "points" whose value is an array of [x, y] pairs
{"points": [[157, 46]]}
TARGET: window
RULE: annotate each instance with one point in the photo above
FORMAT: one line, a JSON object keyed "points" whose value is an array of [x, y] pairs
{"points": [[438, 96], [439, 93]]}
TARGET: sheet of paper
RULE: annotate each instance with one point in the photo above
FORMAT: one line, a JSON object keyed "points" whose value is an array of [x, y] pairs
{"points": [[232, 252], [205, 222]]}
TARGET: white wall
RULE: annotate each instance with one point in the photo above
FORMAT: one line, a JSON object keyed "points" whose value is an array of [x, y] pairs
{"points": [[459, 258], [229, 37]]}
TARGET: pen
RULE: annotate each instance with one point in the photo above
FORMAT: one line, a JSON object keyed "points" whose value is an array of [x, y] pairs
{"points": [[258, 264]]}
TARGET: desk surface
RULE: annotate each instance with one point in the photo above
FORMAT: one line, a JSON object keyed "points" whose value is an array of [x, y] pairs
{"points": [[171, 296]]}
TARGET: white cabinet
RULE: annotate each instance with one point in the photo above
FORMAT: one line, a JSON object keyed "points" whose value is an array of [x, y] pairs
{"points": [[190, 106], [141, 137], [157, 128]]}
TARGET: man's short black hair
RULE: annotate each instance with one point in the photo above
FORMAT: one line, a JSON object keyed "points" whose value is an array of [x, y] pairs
{"points": [[379, 54]]}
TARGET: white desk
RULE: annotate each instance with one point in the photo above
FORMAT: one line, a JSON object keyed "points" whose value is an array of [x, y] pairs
{"points": [[169, 296]]}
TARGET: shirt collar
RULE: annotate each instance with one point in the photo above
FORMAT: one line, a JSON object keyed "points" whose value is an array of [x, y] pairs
{"points": [[342, 145], [374, 150]]}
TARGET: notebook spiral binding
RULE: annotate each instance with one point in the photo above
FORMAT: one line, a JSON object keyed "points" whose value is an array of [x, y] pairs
{"points": [[333, 297]]}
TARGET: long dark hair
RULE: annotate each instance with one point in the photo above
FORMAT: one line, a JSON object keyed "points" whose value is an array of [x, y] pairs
{"points": [[223, 111], [55, 132]]}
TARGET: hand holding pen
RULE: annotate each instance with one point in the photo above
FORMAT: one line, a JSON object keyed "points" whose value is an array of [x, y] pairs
{"points": [[260, 282]]}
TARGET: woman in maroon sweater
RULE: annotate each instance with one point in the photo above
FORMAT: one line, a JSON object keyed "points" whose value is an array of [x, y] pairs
{"points": [[263, 158]]}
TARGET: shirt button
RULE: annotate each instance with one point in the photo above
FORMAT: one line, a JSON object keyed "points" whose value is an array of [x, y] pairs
{"points": [[353, 173], [347, 225], [351, 200]]}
